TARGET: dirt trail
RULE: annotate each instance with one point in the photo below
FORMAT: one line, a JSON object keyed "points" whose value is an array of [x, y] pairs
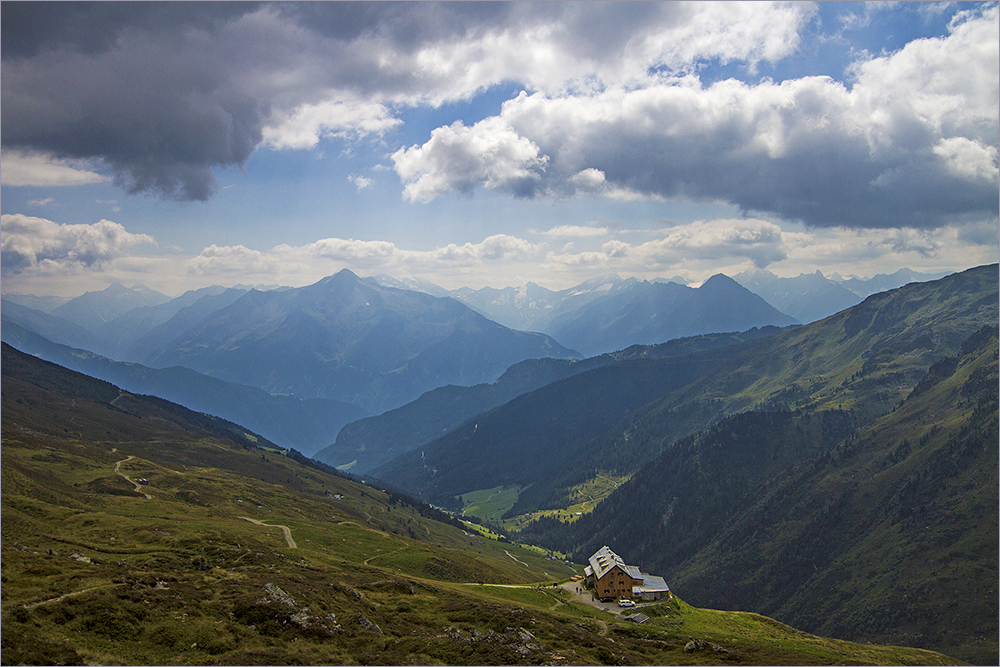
{"points": [[387, 553], [138, 487], [515, 558], [285, 529], [67, 595]]}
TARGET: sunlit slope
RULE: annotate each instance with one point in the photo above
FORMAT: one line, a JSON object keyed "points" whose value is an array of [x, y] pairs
{"points": [[857, 500], [534, 438], [75, 431], [863, 360]]}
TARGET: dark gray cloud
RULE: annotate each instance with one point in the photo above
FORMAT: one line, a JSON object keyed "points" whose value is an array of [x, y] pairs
{"points": [[404, 25], [112, 81], [30, 28], [165, 92]]}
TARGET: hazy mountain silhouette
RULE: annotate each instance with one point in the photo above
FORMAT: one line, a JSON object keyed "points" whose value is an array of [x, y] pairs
{"points": [[644, 313], [302, 424], [348, 339]]}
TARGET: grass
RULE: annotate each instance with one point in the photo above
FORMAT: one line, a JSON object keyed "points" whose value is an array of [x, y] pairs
{"points": [[490, 504], [180, 583], [180, 578], [583, 497]]}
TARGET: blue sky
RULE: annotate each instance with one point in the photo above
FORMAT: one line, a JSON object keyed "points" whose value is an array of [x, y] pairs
{"points": [[188, 144]]}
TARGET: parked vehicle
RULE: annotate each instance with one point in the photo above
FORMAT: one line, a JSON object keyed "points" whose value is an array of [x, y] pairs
{"points": [[626, 603]]}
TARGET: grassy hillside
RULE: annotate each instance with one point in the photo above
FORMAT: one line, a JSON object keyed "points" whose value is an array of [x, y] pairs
{"points": [[852, 487], [374, 441], [892, 536], [533, 438], [137, 532]]}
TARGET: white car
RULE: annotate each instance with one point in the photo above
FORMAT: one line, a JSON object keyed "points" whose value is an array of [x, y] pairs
{"points": [[626, 603]]}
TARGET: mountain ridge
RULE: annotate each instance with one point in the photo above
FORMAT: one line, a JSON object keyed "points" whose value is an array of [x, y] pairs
{"points": [[795, 411], [305, 425], [347, 339], [375, 440]]}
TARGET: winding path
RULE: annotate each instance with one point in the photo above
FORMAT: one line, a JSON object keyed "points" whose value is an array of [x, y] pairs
{"points": [[285, 529], [515, 558], [138, 487], [68, 595]]}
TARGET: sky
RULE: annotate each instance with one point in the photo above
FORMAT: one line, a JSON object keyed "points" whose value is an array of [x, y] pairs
{"points": [[181, 145]]}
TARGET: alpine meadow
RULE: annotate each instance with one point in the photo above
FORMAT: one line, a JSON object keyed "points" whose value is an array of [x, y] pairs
{"points": [[481, 333]]}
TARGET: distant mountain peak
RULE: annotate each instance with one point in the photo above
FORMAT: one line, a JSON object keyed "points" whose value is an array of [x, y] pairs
{"points": [[345, 273], [600, 280], [342, 277], [719, 281]]}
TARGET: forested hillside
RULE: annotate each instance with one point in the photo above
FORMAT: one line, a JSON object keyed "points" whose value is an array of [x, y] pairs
{"points": [[535, 438], [371, 442]]}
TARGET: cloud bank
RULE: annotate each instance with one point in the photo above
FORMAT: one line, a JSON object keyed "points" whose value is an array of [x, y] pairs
{"points": [[165, 93], [36, 243], [36, 251], [910, 144], [616, 104]]}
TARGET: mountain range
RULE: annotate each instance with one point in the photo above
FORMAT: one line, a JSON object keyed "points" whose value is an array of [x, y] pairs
{"points": [[807, 297], [813, 296], [93, 310], [535, 440], [757, 470], [357, 341], [885, 531], [370, 442], [609, 313], [644, 313], [346, 339], [139, 532], [779, 473], [859, 363], [302, 424]]}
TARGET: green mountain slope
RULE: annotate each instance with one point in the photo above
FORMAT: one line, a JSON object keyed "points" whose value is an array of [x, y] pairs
{"points": [[292, 422], [797, 503], [138, 532], [532, 439], [892, 536], [371, 442], [862, 361]]}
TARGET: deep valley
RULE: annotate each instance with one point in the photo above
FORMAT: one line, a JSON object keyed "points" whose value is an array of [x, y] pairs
{"points": [[838, 476]]}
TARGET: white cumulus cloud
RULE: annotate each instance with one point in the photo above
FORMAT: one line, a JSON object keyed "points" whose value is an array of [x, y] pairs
{"points": [[21, 168], [360, 182], [30, 243], [304, 126], [218, 260], [911, 143], [459, 158]]}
